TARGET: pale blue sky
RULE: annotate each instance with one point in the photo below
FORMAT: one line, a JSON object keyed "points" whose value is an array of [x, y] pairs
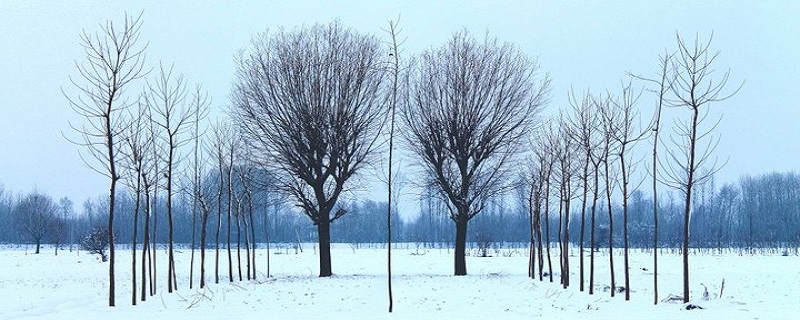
{"points": [[581, 44]]}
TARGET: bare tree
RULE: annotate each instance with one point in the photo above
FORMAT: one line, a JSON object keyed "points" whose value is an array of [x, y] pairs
{"points": [[136, 155], [221, 135], [695, 90], [310, 101], [609, 116], [173, 117], [200, 103], [34, 215], [626, 134], [564, 156], [583, 123], [663, 82], [597, 157], [395, 73], [62, 228], [471, 104], [546, 158], [114, 59]]}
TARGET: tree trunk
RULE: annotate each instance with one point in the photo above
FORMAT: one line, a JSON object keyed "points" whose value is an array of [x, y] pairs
{"points": [[133, 244], [112, 203], [194, 240], [592, 244], [461, 245], [170, 256], [324, 241], [547, 229], [154, 251], [583, 216], [146, 240], [203, 225], [239, 243], [625, 222], [610, 230], [252, 233], [38, 245], [688, 205]]}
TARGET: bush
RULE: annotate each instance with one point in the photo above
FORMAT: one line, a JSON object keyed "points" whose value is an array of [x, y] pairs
{"points": [[97, 242]]}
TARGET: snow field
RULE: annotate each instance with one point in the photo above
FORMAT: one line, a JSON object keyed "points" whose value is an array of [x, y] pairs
{"points": [[72, 285]]}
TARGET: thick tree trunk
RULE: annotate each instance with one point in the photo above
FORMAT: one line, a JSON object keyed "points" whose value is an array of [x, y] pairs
{"points": [[324, 241], [38, 246], [461, 245]]}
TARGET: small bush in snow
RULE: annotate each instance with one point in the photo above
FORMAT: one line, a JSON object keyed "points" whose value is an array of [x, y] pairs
{"points": [[96, 242]]}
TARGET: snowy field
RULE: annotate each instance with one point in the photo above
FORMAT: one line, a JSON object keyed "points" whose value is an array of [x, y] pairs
{"points": [[73, 286]]}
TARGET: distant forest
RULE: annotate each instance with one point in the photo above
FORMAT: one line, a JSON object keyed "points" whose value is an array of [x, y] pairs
{"points": [[758, 212]]}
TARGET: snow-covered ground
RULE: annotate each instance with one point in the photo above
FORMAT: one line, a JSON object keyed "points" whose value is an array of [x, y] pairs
{"points": [[72, 285]]}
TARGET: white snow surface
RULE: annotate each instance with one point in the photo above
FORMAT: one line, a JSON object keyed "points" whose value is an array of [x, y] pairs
{"points": [[73, 285]]}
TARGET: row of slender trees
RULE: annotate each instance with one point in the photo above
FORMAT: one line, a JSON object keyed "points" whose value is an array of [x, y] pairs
{"points": [[587, 154]]}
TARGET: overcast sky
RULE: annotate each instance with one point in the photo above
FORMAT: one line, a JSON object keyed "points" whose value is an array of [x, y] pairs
{"points": [[580, 44]]}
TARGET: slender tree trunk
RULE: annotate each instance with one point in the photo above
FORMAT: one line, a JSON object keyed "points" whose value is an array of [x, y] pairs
{"points": [[239, 242], [560, 236], [170, 257], [567, 197], [112, 203], [583, 216], [230, 209], [532, 245], [219, 224], [133, 241], [625, 222], [154, 251], [146, 240], [547, 228], [203, 224], [252, 232], [247, 247], [610, 230], [194, 234], [538, 222], [688, 204], [592, 244]]}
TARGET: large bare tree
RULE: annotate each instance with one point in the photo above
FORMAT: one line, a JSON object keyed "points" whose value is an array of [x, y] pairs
{"points": [[694, 90], [471, 103], [114, 59], [310, 99]]}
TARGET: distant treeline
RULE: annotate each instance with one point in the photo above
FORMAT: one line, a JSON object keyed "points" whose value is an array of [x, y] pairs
{"points": [[756, 212]]}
